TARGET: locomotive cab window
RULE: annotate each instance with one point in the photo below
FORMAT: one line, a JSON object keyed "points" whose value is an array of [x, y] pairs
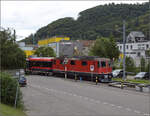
{"points": [[103, 63], [72, 62], [84, 63], [99, 64], [109, 64]]}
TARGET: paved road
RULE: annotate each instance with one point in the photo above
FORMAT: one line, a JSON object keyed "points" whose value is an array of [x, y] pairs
{"points": [[49, 96]]}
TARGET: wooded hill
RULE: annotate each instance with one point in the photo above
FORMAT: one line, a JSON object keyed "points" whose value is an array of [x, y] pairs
{"points": [[102, 20]]}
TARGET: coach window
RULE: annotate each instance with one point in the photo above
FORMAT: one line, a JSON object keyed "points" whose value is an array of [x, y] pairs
{"points": [[48, 64], [84, 63], [103, 63], [72, 62]]}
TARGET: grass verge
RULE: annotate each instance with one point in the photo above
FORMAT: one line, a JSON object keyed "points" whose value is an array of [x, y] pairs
{"points": [[10, 111], [138, 81]]}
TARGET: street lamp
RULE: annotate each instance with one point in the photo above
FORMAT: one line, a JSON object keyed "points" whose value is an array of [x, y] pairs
{"points": [[124, 54]]}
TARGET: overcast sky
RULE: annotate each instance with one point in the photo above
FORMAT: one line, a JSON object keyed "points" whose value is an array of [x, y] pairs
{"points": [[28, 16]]}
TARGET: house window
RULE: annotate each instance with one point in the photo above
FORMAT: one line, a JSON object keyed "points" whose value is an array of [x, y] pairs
{"points": [[127, 46], [138, 54], [120, 47], [72, 62], [147, 46], [131, 47], [84, 63]]}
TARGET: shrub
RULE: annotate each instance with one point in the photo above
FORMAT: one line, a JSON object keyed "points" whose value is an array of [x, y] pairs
{"points": [[8, 90]]}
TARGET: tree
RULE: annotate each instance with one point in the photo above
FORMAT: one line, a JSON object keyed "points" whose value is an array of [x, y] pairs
{"points": [[130, 65], [105, 47], [142, 63], [96, 21], [45, 52], [147, 69], [12, 56]]}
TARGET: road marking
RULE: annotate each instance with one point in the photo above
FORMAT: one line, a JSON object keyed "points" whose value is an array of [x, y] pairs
{"points": [[105, 103], [119, 106], [86, 98], [74, 95], [138, 112], [97, 101], [147, 114], [128, 109], [112, 104]]}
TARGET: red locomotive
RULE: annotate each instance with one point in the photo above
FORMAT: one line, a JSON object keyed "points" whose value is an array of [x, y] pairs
{"points": [[86, 67]]}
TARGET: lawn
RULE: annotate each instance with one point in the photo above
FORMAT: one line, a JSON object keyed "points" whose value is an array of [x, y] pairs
{"points": [[10, 111], [138, 81]]}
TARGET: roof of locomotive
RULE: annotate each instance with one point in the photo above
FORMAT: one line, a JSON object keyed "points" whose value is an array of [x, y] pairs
{"points": [[83, 58]]}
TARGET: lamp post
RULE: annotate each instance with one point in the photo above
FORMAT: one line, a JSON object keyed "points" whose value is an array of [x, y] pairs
{"points": [[124, 53]]}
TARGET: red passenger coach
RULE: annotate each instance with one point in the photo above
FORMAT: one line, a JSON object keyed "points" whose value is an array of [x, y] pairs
{"points": [[40, 65], [86, 67]]}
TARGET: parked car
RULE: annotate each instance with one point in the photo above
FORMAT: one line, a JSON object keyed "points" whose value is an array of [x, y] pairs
{"points": [[117, 73], [142, 75], [22, 81]]}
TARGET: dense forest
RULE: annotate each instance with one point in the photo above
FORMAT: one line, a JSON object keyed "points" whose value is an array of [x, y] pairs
{"points": [[99, 21]]}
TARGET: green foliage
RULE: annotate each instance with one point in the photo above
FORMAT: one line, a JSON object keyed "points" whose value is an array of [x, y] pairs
{"points": [[10, 111], [12, 56], [8, 90], [99, 21], [147, 52], [147, 69], [105, 47], [142, 64], [138, 81], [130, 65], [45, 52]]}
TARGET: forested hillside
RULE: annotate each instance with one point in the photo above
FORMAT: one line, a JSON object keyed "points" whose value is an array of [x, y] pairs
{"points": [[102, 20]]}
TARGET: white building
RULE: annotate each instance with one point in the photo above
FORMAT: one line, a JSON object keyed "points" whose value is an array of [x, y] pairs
{"points": [[136, 45]]}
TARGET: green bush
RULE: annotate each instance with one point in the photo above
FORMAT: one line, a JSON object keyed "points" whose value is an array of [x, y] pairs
{"points": [[8, 90]]}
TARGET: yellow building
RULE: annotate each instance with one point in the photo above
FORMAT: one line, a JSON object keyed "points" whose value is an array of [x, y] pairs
{"points": [[29, 52], [52, 40]]}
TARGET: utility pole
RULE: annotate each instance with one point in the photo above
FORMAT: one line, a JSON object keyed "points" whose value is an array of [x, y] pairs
{"points": [[33, 39], [14, 35], [124, 54]]}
